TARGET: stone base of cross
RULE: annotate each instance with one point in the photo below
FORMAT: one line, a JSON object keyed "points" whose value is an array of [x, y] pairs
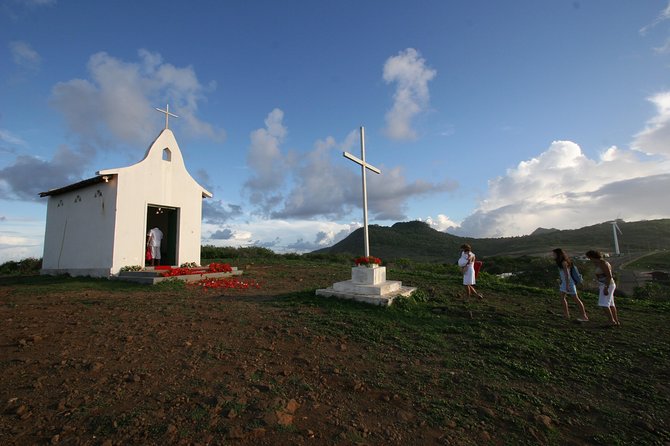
{"points": [[368, 284]]}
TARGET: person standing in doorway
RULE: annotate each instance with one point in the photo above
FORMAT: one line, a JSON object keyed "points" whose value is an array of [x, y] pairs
{"points": [[155, 236], [568, 287]]}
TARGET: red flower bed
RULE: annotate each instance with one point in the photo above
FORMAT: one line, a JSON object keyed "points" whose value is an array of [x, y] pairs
{"points": [[220, 268], [212, 268], [228, 282]]}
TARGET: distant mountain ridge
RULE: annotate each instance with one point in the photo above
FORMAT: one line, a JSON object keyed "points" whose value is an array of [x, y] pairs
{"points": [[539, 231], [417, 241]]}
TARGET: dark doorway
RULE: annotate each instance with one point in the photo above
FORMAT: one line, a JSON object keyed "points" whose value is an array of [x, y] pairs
{"points": [[167, 220]]}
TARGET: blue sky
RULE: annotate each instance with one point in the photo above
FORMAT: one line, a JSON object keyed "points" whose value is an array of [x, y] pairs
{"points": [[487, 118]]}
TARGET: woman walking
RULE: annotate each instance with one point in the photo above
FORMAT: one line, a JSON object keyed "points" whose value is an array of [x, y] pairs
{"points": [[467, 264], [606, 286], [568, 286]]}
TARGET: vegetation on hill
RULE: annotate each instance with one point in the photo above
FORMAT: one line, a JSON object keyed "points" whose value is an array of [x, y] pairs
{"points": [[656, 261], [23, 267], [417, 241]]}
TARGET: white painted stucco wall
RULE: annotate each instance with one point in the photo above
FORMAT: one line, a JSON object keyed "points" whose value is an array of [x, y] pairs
{"points": [[98, 235], [79, 235], [155, 181]]}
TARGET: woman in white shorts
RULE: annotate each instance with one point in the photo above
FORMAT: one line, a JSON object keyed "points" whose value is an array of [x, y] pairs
{"points": [[606, 286]]}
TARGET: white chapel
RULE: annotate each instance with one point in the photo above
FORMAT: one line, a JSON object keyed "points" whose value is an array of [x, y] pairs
{"points": [[99, 225]]}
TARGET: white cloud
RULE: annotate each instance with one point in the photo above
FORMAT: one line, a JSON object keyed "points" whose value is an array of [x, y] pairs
{"points": [[441, 223], [411, 75], [225, 234], [116, 103], [320, 182], [20, 237], [215, 211], [7, 137], [6, 240], [655, 138], [19, 251], [25, 56], [320, 187], [563, 188], [296, 235], [664, 49], [35, 3], [266, 160], [662, 16], [30, 175], [390, 192]]}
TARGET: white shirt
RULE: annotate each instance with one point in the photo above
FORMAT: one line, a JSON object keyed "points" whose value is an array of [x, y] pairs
{"points": [[155, 237]]}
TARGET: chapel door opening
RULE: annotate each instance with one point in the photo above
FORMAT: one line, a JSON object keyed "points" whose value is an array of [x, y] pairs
{"points": [[167, 220]]}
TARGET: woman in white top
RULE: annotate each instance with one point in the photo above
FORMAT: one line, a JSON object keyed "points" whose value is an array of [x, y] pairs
{"points": [[606, 286], [467, 264]]}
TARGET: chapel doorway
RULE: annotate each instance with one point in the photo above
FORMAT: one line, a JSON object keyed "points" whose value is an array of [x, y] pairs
{"points": [[167, 220]]}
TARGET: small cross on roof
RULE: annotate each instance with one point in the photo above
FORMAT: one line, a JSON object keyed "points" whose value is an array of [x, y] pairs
{"points": [[167, 114]]}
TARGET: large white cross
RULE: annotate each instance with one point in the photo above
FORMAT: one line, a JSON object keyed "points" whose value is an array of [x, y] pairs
{"points": [[167, 113], [364, 166]]}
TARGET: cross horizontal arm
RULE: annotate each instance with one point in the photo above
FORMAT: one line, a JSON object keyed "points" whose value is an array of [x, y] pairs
{"points": [[166, 112], [360, 161]]}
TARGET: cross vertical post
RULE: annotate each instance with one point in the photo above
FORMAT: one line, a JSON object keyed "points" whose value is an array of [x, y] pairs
{"points": [[167, 114], [366, 237], [364, 165]]}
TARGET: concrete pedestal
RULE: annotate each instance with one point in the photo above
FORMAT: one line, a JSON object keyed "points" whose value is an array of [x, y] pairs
{"points": [[369, 285]]}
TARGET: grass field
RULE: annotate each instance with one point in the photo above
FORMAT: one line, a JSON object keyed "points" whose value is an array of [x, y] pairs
{"points": [[433, 369], [657, 261]]}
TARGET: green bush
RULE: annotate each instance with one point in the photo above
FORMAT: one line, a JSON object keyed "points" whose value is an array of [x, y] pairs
{"points": [[131, 268], [23, 267], [411, 302], [228, 252], [342, 258], [650, 290], [403, 263]]}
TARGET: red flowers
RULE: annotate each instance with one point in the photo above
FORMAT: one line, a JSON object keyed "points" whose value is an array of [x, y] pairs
{"points": [[367, 261], [228, 282], [220, 268], [207, 283], [212, 268], [171, 272]]}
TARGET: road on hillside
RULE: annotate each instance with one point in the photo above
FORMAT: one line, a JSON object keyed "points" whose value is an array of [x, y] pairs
{"points": [[627, 280]]}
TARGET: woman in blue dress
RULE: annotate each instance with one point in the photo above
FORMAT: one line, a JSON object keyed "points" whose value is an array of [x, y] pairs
{"points": [[568, 286]]}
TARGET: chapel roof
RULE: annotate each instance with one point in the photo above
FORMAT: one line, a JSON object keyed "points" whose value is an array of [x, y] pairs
{"points": [[74, 186]]}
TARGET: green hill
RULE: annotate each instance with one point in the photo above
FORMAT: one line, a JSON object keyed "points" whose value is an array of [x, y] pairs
{"points": [[417, 241]]}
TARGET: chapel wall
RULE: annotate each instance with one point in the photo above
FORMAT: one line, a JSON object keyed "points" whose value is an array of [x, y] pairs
{"points": [[79, 232]]}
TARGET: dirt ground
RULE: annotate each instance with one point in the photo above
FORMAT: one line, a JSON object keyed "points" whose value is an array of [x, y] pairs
{"points": [[94, 367], [93, 362]]}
